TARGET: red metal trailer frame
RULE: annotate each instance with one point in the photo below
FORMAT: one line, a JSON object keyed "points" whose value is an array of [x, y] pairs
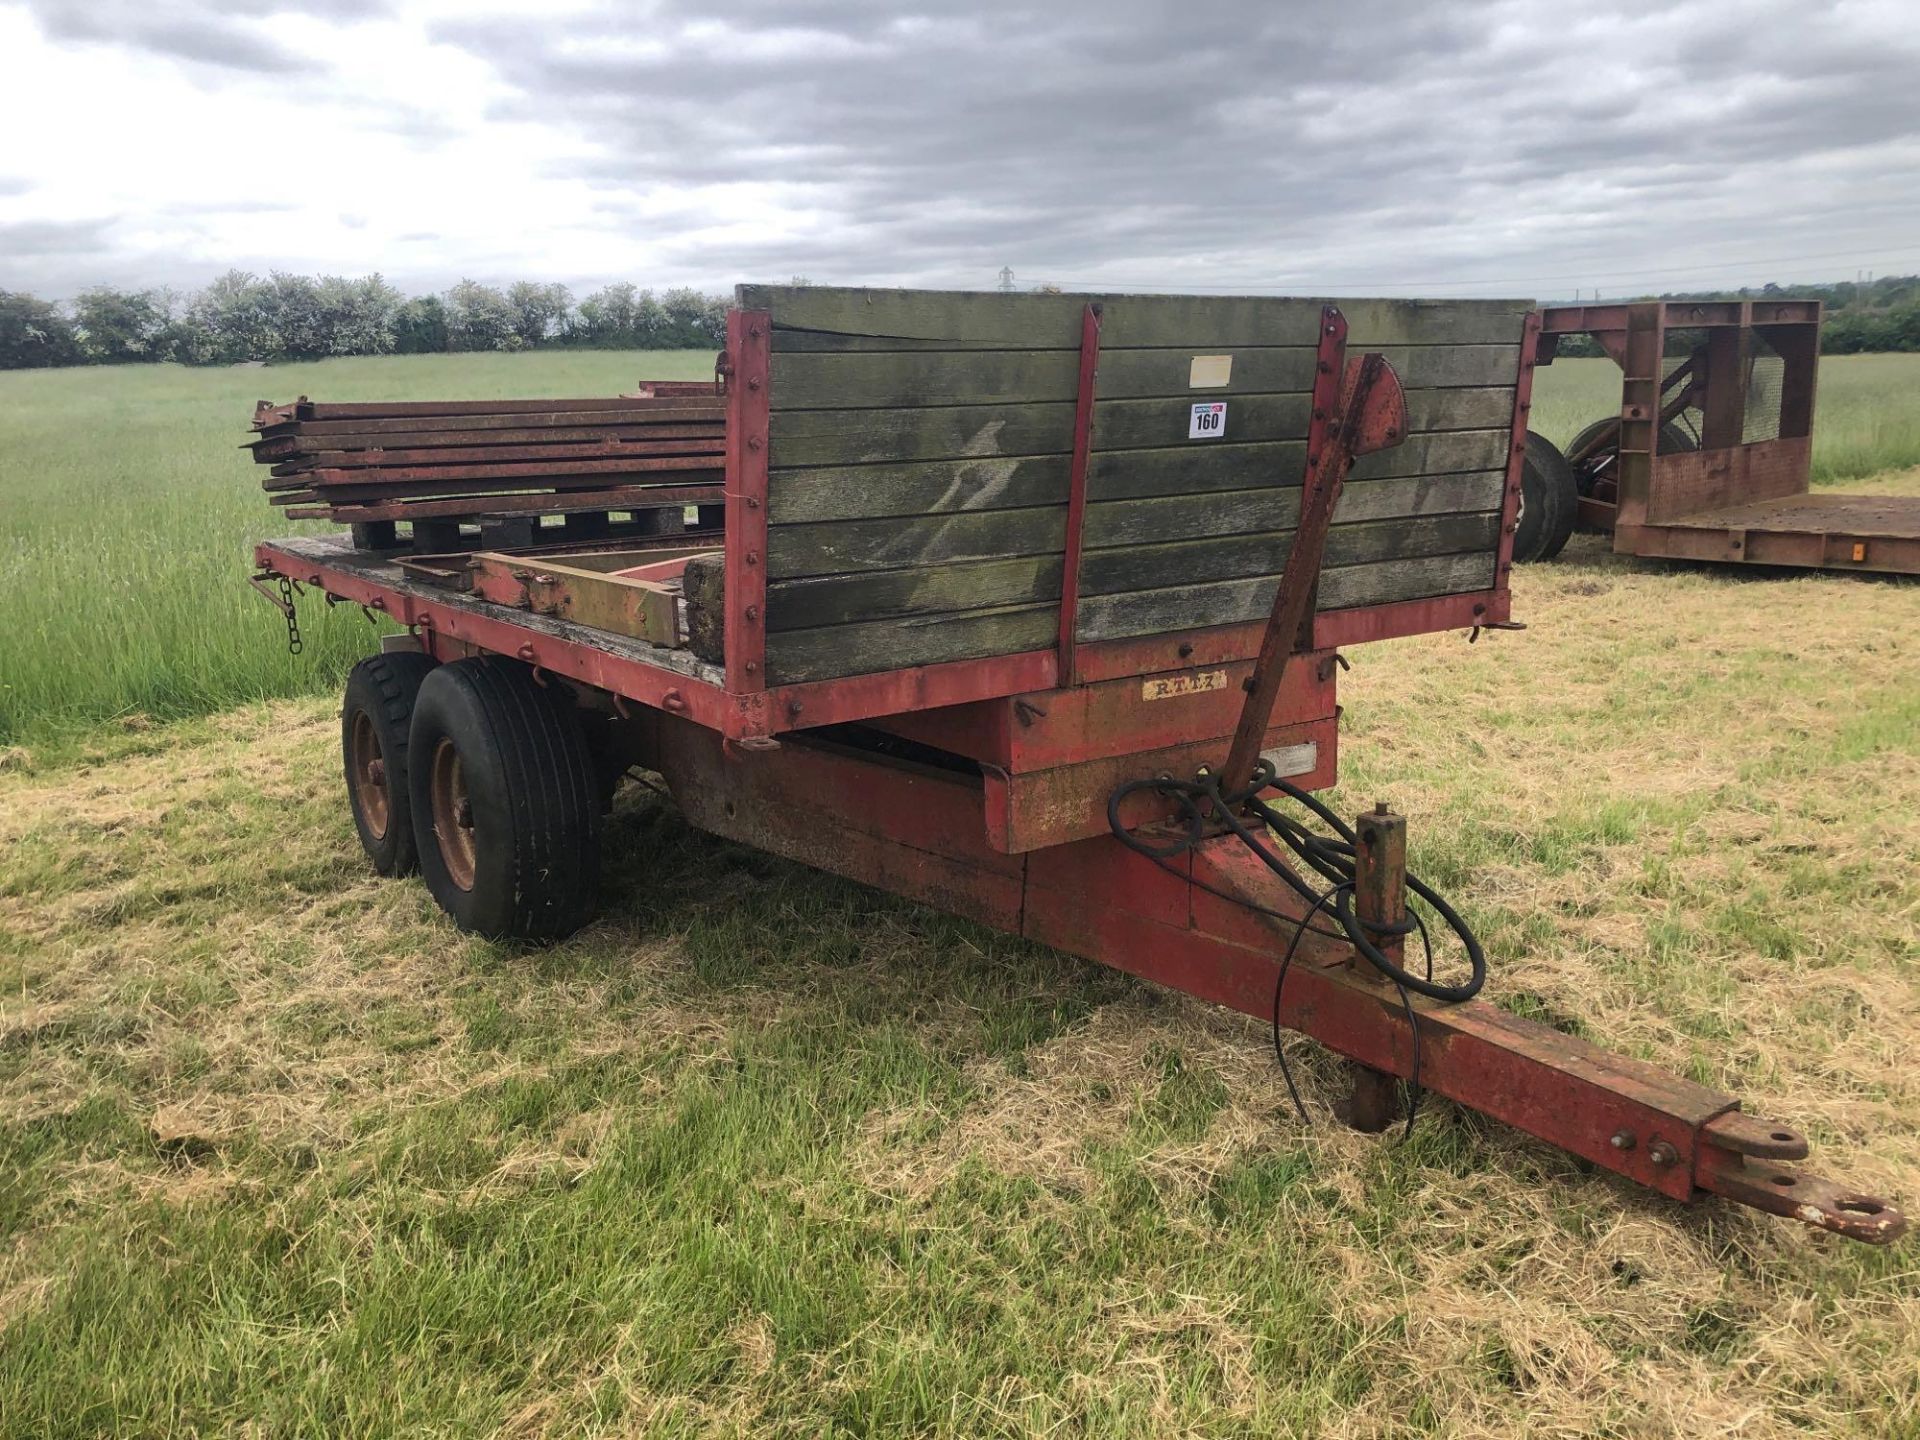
{"points": [[997, 810]]}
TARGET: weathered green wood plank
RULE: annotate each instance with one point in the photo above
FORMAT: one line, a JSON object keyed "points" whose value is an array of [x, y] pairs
{"points": [[958, 377], [1231, 602], [928, 487], [1138, 424], [923, 590], [853, 437], [806, 381], [834, 650], [1127, 374], [823, 342], [842, 437], [1477, 409], [1244, 512], [1129, 320], [937, 487], [1193, 562], [845, 546], [1222, 465]]}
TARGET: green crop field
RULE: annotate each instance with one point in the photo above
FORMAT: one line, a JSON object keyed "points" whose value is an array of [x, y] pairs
{"points": [[764, 1153], [1866, 422], [126, 512], [127, 516]]}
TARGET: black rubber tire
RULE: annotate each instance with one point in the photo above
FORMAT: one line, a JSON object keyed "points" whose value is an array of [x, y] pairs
{"points": [[533, 800], [383, 689], [1549, 502], [1673, 441]]}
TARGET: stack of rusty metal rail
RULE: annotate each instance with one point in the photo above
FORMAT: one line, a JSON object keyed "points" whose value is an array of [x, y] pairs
{"points": [[605, 466]]}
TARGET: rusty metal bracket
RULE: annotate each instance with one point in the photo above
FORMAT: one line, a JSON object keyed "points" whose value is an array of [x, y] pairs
{"points": [[259, 584], [1358, 408]]}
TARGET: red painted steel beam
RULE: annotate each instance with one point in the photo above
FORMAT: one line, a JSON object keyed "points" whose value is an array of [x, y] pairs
{"points": [[1357, 408], [913, 830], [1077, 489], [749, 382], [1516, 454]]}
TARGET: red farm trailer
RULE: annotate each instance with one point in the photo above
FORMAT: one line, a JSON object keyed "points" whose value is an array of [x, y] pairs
{"points": [[1028, 607], [1711, 453]]}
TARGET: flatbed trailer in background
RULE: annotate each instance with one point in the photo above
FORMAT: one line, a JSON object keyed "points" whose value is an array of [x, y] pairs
{"points": [[1711, 455], [1028, 608]]}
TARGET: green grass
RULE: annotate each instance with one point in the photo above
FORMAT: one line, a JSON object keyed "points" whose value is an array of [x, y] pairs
{"points": [[127, 518], [1867, 419], [764, 1153]]}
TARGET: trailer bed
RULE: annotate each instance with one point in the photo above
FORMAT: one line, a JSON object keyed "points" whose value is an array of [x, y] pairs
{"points": [[1828, 532], [324, 561]]}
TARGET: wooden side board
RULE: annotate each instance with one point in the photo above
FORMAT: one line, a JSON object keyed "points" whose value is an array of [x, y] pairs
{"points": [[895, 643], [1029, 579], [1152, 612], [941, 487], [1129, 321], [812, 380], [919, 450], [869, 435]]}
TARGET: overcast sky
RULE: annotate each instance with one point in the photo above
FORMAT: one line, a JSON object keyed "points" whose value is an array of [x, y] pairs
{"points": [[1390, 146]]}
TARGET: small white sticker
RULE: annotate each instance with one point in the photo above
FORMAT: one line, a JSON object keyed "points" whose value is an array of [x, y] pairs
{"points": [[1293, 759], [1209, 420], [1210, 372]]}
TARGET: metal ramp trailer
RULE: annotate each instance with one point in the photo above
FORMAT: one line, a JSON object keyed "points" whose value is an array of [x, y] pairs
{"points": [[1711, 453], [1029, 607]]}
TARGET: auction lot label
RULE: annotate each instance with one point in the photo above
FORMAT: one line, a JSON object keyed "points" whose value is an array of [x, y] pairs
{"points": [[1209, 420]]}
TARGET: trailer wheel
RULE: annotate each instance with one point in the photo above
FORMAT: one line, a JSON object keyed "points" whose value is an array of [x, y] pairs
{"points": [[506, 805], [1599, 465], [1549, 502], [375, 717]]}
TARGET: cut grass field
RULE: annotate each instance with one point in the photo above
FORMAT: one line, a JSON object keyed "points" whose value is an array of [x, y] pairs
{"points": [[761, 1152], [127, 514], [764, 1153]]}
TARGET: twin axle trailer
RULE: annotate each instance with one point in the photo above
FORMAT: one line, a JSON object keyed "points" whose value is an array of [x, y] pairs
{"points": [[1030, 608]]}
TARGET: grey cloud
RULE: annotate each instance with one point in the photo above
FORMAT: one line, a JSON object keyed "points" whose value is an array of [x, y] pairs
{"points": [[219, 33], [27, 240], [1248, 141]]}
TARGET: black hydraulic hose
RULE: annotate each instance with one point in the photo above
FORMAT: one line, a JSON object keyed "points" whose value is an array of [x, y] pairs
{"points": [[1330, 858]]}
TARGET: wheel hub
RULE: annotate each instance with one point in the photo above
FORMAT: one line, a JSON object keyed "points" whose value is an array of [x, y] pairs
{"points": [[452, 815], [369, 773]]}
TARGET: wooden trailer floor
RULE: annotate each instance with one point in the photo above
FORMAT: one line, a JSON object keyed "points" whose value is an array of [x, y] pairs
{"points": [[337, 552], [1829, 532]]}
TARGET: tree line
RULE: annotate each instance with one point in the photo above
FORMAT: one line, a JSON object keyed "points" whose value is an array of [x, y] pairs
{"points": [[242, 317]]}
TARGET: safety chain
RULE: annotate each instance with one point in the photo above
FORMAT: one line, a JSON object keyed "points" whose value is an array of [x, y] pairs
{"points": [[294, 643]]}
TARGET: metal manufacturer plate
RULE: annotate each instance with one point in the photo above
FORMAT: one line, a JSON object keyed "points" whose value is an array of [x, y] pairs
{"points": [[1168, 687], [1209, 372], [1293, 759]]}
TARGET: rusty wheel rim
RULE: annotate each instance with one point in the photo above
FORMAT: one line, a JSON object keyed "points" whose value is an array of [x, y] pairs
{"points": [[452, 814], [367, 772]]}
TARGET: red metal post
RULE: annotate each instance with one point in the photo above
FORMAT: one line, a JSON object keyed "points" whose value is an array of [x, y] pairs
{"points": [[1366, 412], [1301, 574], [1516, 462], [1077, 489], [749, 355], [1379, 899]]}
